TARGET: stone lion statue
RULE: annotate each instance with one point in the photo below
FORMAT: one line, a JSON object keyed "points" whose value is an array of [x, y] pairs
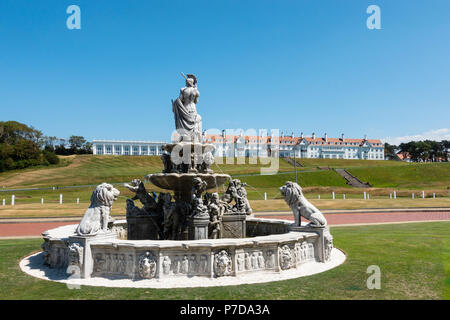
{"points": [[301, 207], [96, 217]]}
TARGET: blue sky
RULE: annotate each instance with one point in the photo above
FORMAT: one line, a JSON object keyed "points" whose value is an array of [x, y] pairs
{"points": [[302, 65]]}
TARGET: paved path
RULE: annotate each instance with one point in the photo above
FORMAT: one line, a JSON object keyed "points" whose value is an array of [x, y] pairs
{"points": [[351, 179], [14, 228]]}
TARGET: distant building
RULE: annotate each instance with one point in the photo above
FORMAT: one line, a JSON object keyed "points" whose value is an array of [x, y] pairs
{"points": [[304, 147], [262, 146], [127, 148], [404, 156]]}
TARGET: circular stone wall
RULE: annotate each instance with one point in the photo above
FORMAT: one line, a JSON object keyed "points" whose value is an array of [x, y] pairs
{"points": [[106, 260]]}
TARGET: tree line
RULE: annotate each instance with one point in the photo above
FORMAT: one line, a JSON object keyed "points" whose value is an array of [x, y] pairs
{"points": [[23, 146], [419, 151]]}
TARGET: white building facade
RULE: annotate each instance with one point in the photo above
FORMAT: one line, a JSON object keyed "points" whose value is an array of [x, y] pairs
{"points": [[304, 147], [127, 148], [259, 146]]}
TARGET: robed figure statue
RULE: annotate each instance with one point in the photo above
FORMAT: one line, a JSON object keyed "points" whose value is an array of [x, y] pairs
{"points": [[187, 121]]}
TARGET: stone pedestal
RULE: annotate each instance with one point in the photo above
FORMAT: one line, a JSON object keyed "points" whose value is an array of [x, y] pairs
{"points": [[198, 228], [143, 227], [324, 241], [85, 242], [233, 225]]}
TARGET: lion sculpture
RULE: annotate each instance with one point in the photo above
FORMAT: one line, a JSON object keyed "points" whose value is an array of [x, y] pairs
{"points": [[301, 207], [96, 217]]}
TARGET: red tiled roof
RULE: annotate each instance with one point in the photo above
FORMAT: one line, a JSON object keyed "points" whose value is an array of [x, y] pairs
{"points": [[291, 140]]}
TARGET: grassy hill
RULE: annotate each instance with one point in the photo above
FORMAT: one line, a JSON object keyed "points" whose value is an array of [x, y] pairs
{"points": [[90, 170]]}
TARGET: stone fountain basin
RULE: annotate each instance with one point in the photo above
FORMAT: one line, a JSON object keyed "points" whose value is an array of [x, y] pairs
{"points": [[184, 181], [274, 248]]}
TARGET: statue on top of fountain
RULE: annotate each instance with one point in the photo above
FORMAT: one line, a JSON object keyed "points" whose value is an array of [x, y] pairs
{"points": [[187, 121]]}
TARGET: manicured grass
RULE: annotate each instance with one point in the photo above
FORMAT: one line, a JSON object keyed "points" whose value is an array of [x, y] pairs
{"points": [[348, 163], [413, 259], [411, 176], [90, 169]]}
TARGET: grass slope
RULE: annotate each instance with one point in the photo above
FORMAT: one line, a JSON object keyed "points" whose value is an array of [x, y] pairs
{"points": [[411, 176], [413, 259]]}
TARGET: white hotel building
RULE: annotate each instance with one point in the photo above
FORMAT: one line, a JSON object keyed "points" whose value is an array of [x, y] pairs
{"points": [[262, 146], [127, 148], [304, 147]]}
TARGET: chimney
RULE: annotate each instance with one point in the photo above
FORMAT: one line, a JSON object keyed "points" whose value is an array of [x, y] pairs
{"points": [[292, 134], [223, 133], [301, 135], [342, 137], [365, 137], [282, 134], [326, 137], [313, 135]]}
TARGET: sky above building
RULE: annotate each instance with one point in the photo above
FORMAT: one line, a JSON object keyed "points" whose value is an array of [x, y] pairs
{"points": [[303, 66]]}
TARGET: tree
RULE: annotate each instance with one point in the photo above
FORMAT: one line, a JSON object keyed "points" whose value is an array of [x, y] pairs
{"points": [[390, 152], [20, 146]]}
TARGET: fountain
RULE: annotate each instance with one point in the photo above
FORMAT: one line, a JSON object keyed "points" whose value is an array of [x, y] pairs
{"points": [[190, 233]]}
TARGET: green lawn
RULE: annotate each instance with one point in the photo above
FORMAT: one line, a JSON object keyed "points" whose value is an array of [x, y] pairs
{"points": [[414, 260], [410, 176], [348, 163]]}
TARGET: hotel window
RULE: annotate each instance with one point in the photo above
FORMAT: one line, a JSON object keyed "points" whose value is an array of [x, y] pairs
{"points": [[152, 150], [108, 149], [135, 150], [144, 150], [99, 149], [126, 150], [117, 150]]}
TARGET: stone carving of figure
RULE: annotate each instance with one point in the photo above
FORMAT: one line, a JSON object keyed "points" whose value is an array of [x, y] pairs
{"points": [[122, 265], [237, 192], [260, 260], [240, 262], [222, 263], [301, 207], [328, 245], [137, 186], [176, 265], [130, 265], [198, 208], [203, 264], [75, 254], [248, 263], [206, 161], [270, 259], [215, 230], [193, 264], [254, 260], [46, 251], [187, 121], [168, 210], [285, 257], [147, 266], [96, 217], [115, 263], [198, 187], [303, 250], [310, 251], [99, 263], [184, 265], [166, 265], [169, 167], [108, 263]]}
